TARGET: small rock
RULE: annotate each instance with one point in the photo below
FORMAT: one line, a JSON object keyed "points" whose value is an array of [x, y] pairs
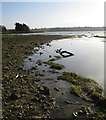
{"points": [[20, 68], [43, 97], [48, 44], [52, 99], [87, 113], [33, 68], [68, 102], [6, 68], [77, 102], [54, 103], [40, 53], [56, 81], [57, 89], [46, 91], [41, 101], [39, 62], [13, 96], [30, 59], [80, 112], [50, 56], [17, 76], [74, 114], [43, 70], [41, 75]]}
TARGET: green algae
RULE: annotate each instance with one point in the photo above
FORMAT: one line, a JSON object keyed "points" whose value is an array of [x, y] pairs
{"points": [[77, 90], [55, 65], [89, 90], [71, 77], [82, 86], [55, 58], [53, 71]]}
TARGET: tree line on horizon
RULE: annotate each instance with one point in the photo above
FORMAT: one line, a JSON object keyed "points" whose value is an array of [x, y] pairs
{"points": [[18, 28], [25, 28], [22, 27]]}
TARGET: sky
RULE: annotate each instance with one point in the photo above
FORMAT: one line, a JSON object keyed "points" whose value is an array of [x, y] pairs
{"points": [[46, 14]]}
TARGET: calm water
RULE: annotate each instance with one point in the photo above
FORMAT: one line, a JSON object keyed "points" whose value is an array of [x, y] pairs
{"points": [[87, 33], [88, 61]]}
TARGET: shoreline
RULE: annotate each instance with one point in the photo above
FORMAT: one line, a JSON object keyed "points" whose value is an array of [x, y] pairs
{"points": [[19, 84]]}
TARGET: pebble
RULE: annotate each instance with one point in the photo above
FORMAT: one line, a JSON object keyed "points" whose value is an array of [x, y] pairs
{"points": [[30, 59], [43, 96], [56, 81], [6, 68], [77, 102], [17, 76], [40, 53], [74, 114], [43, 70], [57, 89], [50, 56], [63, 93], [80, 112], [68, 102]]}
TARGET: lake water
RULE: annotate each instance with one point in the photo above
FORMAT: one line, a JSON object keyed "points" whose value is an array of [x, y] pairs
{"points": [[88, 61], [86, 33]]}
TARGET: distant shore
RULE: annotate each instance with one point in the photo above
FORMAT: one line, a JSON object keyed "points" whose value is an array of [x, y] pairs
{"points": [[56, 29]]}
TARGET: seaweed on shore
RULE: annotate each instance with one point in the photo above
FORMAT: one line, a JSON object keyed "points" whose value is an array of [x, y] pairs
{"points": [[55, 65], [88, 90]]}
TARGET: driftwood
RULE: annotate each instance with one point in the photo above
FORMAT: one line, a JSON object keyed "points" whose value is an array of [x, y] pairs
{"points": [[66, 54]]}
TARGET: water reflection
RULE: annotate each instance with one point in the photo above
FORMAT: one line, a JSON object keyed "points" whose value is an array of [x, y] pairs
{"points": [[88, 59]]}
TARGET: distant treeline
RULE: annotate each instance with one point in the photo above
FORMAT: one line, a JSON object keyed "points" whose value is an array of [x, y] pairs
{"points": [[2, 28], [77, 29], [57, 29], [23, 28], [19, 28]]}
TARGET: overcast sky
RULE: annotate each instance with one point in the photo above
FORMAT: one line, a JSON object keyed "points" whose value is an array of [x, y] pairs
{"points": [[53, 14]]}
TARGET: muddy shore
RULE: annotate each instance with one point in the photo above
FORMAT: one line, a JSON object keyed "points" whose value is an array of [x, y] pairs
{"points": [[23, 98]]}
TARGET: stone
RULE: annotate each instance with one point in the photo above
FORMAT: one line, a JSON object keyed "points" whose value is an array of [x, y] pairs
{"points": [[74, 115], [80, 112], [13, 96], [57, 89], [68, 102], [39, 62], [40, 53], [50, 56], [46, 91]]}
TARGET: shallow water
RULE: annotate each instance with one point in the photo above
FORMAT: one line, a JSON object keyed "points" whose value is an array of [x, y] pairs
{"points": [[88, 61]]}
